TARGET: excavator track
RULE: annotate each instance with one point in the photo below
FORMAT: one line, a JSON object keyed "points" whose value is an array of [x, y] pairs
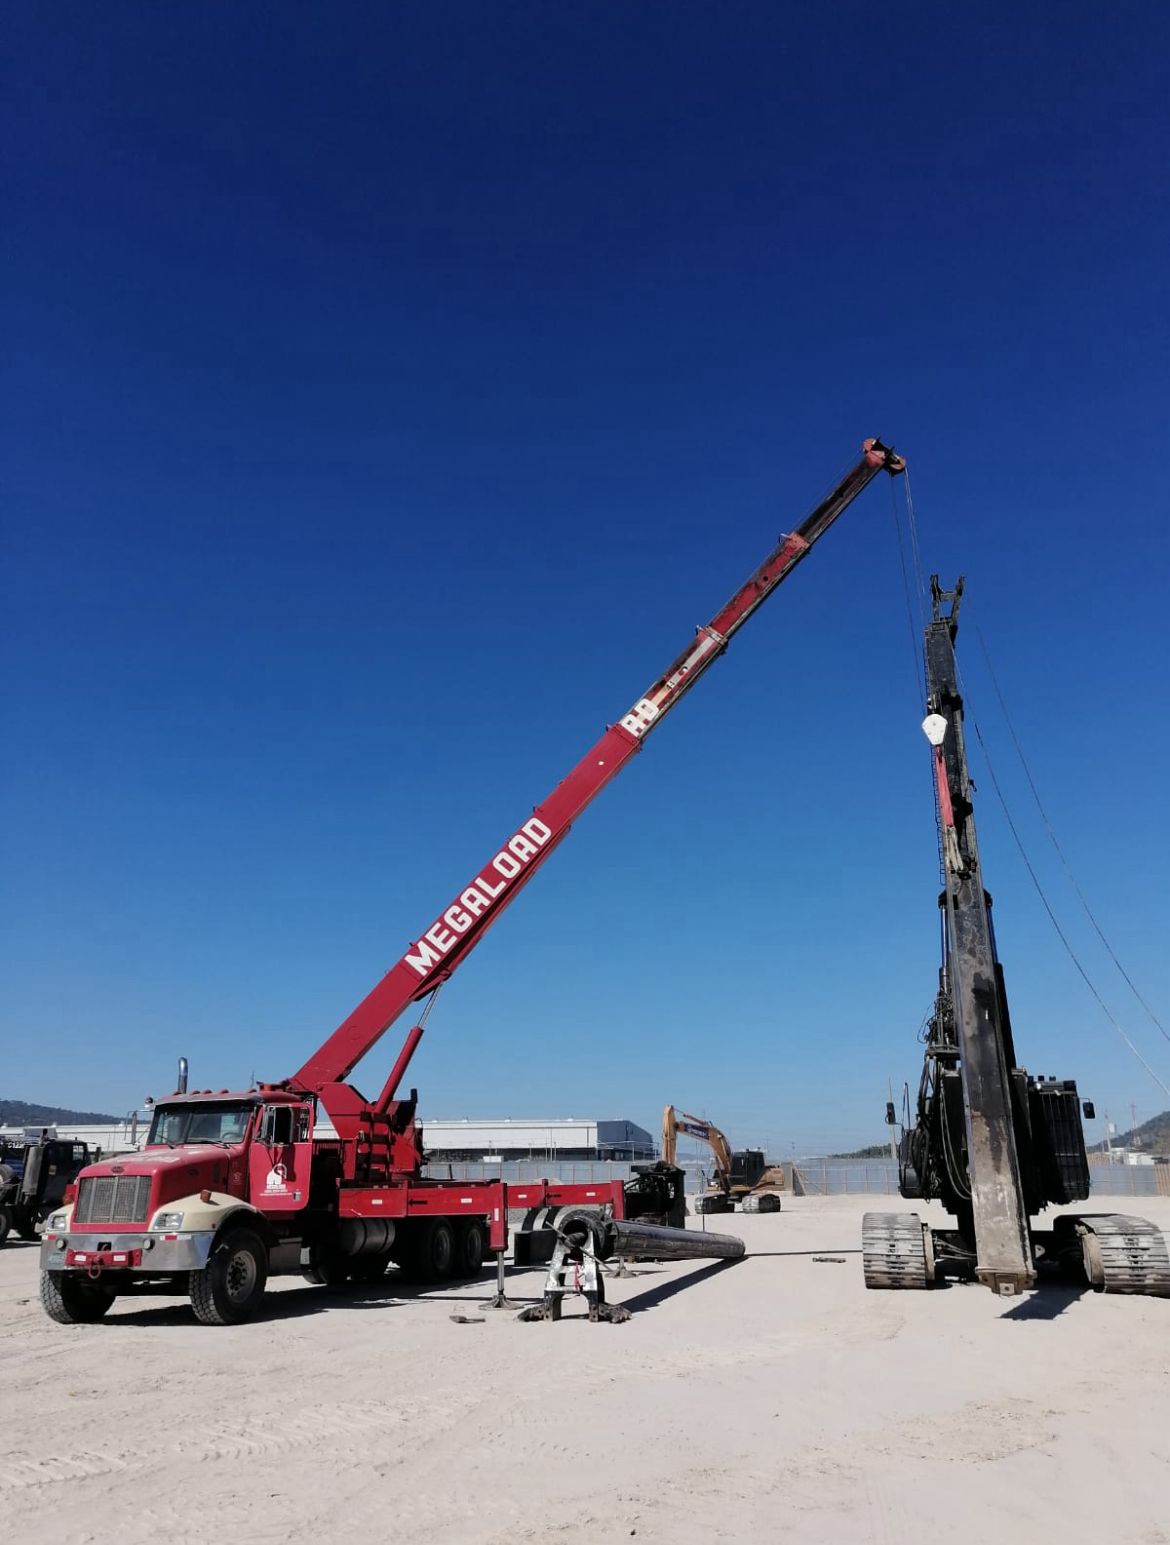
{"points": [[1124, 1255], [896, 1250]]}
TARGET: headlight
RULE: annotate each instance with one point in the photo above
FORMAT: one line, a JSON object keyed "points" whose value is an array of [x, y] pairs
{"points": [[58, 1220], [168, 1220]]}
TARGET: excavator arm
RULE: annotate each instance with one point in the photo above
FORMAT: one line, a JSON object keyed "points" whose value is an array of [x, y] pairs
{"points": [[676, 1121], [448, 941]]}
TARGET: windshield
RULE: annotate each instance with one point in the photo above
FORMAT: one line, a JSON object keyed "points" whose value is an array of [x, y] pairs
{"points": [[210, 1123]]}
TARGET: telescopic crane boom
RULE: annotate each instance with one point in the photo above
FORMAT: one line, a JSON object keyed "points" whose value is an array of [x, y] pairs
{"points": [[308, 1174], [458, 929]]}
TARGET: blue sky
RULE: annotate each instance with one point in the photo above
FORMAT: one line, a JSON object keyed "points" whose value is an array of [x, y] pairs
{"points": [[388, 391]]}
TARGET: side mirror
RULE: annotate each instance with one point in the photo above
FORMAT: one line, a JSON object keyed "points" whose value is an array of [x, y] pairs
{"points": [[1090, 1110], [891, 1114]]}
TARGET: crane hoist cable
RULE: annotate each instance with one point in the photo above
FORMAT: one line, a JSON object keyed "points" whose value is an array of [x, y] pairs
{"points": [[1052, 918], [919, 572], [915, 632], [1072, 879]]}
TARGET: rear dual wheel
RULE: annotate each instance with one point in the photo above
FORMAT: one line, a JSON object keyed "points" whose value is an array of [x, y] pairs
{"points": [[442, 1249], [470, 1247], [434, 1250], [428, 1250]]}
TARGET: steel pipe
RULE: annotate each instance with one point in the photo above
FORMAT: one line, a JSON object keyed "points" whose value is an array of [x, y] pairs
{"points": [[649, 1241], [654, 1243]]}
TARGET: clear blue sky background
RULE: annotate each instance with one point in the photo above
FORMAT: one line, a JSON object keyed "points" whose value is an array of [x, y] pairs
{"points": [[389, 390]]}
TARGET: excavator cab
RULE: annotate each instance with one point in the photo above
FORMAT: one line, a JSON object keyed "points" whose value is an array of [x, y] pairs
{"points": [[748, 1166]]}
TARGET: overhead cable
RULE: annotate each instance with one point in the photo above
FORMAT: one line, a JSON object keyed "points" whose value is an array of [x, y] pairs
{"points": [[1060, 933], [1053, 839]]}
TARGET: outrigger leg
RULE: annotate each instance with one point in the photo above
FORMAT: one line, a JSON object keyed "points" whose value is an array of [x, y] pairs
{"points": [[499, 1299]]}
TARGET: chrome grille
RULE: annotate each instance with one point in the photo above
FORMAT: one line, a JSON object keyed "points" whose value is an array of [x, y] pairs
{"points": [[113, 1199]]}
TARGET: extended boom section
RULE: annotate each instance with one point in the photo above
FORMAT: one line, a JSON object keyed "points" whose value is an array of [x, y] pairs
{"points": [[456, 931]]}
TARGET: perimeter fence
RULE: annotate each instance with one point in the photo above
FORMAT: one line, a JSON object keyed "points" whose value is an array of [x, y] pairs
{"points": [[804, 1177], [877, 1177]]}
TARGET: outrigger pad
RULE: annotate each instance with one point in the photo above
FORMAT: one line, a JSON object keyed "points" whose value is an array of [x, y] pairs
{"points": [[610, 1314]]}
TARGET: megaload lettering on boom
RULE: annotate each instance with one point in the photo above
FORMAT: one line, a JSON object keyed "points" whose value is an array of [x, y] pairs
{"points": [[479, 897]]}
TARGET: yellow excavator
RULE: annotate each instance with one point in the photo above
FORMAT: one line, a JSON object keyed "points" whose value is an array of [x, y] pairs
{"points": [[744, 1177]]}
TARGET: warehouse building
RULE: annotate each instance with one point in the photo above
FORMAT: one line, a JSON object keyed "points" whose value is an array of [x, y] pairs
{"points": [[113, 1136], [565, 1138], [568, 1138]]}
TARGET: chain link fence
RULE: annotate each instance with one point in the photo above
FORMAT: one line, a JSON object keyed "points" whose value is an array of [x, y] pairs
{"points": [[804, 1177], [878, 1177]]}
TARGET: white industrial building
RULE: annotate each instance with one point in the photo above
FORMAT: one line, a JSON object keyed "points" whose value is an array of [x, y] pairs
{"points": [[108, 1136], [568, 1137]]}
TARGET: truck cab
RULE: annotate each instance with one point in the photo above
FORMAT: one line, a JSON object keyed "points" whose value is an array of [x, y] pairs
{"points": [[213, 1164]]}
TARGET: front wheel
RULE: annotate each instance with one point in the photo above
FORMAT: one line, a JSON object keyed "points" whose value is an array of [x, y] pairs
{"points": [[230, 1287], [73, 1299]]}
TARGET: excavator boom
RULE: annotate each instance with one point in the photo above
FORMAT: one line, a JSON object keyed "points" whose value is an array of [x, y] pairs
{"points": [[676, 1121]]}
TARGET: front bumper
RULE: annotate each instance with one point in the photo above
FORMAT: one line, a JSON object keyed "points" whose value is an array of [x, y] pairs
{"points": [[151, 1254]]}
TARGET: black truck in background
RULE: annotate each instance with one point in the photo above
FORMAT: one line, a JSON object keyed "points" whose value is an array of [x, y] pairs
{"points": [[34, 1171]]}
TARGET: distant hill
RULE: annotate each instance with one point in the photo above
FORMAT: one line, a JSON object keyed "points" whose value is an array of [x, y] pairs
{"points": [[1152, 1136], [874, 1151], [20, 1113]]}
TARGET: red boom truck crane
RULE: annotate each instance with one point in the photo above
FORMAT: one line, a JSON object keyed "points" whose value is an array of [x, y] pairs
{"points": [[308, 1174]]}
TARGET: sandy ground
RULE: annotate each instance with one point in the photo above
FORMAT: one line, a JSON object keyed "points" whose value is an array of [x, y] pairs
{"points": [[774, 1399]]}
